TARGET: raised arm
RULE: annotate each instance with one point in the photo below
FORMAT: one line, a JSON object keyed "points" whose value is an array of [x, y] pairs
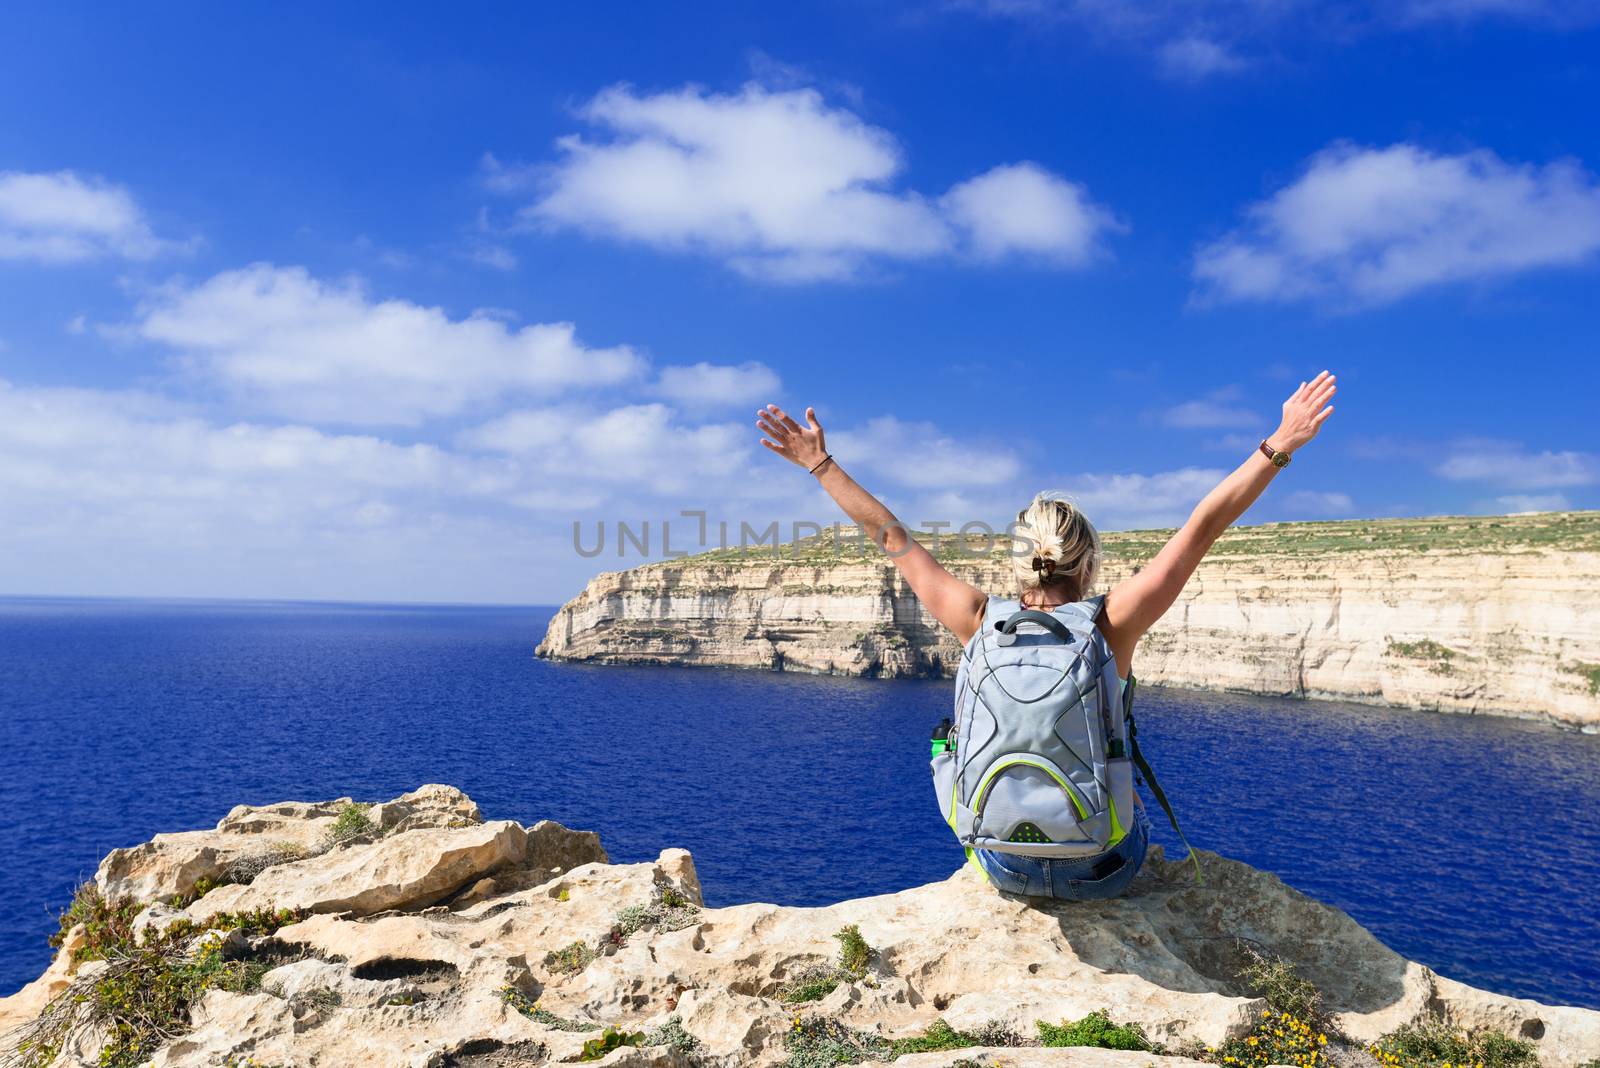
{"points": [[956, 604], [1134, 604]]}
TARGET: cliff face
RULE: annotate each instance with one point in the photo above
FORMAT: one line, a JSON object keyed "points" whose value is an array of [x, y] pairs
{"points": [[414, 934], [1495, 614]]}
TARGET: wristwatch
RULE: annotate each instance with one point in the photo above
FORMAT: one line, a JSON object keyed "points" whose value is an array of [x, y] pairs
{"points": [[1278, 457]]}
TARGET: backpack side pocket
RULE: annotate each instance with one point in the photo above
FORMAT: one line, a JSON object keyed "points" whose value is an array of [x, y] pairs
{"points": [[944, 785]]}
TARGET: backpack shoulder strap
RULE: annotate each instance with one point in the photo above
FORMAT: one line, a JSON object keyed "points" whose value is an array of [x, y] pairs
{"points": [[1085, 611], [1149, 775]]}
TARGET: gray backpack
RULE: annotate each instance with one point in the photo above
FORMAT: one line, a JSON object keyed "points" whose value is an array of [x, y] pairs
{"points": [[1040, 757]]}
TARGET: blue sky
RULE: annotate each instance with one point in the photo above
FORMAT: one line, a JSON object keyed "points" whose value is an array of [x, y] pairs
{"points": [[375, 301]]}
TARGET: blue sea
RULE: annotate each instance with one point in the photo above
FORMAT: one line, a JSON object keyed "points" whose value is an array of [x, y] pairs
{"points": [[1468, 843]]}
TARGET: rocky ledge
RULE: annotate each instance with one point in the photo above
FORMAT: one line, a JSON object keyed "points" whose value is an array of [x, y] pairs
{"points": [[415, 933]]}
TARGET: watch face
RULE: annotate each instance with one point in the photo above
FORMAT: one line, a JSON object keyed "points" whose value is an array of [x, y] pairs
{"points": [[1281, 459]]}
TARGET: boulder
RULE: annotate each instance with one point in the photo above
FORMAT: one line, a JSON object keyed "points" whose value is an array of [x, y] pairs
{"points": [[251, 839], [410, 869]]}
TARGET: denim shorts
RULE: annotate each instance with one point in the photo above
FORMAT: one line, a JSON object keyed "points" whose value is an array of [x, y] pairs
{"points": [[1077, 879]]}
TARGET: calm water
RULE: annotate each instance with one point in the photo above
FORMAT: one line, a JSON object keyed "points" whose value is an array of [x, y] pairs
{"points": [[1469, 844]]}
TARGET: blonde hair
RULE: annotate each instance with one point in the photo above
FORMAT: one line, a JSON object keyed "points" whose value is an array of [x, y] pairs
{"points": [[1054, 542]]}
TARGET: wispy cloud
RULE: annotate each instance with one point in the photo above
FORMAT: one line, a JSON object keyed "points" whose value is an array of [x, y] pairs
{"points": [[1195, 58], [1140, 501], [1196, 40], [1365, 226], [1319, 504], [1513, 466], [1218, 410], [921, 456], [783, 186], [1533, 502], [62, 217]]}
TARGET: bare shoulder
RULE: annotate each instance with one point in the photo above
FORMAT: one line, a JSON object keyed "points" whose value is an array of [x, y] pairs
{"points": [[1122, 638]]}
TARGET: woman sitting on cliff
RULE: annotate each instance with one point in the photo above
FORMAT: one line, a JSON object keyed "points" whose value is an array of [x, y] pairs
{"points": [[1055, 554]]}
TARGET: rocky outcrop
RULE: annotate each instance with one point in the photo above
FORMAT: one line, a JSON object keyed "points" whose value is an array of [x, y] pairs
{"points": [[1493, 614], [526, 970]]}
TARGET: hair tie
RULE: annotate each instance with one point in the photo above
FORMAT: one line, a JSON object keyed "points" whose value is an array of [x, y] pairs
{"points": [[1045, 565]]}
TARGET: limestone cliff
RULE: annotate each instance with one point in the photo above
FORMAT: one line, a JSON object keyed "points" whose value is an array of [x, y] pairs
{"points": [[414, 934], [1488, 614]]}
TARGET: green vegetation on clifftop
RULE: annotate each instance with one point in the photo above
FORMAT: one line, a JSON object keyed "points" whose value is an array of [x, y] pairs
{"points": [[1534, 532]]}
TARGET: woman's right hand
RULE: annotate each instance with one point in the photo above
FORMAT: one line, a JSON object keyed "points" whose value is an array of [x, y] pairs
{"points": [[1304, 413], [803, 445]]}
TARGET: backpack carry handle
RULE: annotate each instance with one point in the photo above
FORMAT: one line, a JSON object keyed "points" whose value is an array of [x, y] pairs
{"points": [[1008, 627]]}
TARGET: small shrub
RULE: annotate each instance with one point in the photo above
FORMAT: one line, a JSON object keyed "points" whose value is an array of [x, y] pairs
{"points": [[996, 1033], [202, 886], [609, 1039], [565, 895], [812, 984], [248, 868], [351, 823], [670, 911], [568, 959], [1095, 1029], [854, 953], [937, 1037], [823, 1042], [1278, 1038], [820, 980], [141, 999], [1275, 979], [105, 925], [672, 1035], [1434, 1043]]}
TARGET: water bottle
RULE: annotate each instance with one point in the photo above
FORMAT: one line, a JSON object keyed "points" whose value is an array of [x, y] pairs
{"points": [[941, 737]]}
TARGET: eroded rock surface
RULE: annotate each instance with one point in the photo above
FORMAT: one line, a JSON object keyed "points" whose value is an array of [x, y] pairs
{"points": [[488, 944]]}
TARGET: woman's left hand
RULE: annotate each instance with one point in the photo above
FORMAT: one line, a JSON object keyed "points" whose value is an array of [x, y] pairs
{"points": [[803, 445]]}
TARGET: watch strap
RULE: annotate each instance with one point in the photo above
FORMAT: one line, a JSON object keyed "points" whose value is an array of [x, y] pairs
{"points": [[1278, 457]]}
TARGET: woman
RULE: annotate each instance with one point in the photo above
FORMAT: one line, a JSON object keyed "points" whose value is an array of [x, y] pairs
{"points": [[1056, 554]]}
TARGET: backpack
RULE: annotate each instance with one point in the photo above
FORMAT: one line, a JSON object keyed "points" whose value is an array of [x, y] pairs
{"points": [[1040, 757]]}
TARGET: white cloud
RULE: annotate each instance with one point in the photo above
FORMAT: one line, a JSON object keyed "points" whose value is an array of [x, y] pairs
{"points": [[1138, 501], [295, 346], [62, 218], [1534, 502], [1024, 209], [641, 446], [782, 186], [707, 385], [121, 492], [1512, 466], [1318, 503], [1367, 226], [920, 456]]}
